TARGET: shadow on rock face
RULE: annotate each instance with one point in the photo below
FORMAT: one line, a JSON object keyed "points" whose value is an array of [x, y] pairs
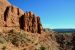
{"points": [[21, 22]]}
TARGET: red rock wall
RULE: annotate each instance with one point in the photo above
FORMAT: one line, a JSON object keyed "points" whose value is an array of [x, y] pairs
{"points": [[12, 18]]}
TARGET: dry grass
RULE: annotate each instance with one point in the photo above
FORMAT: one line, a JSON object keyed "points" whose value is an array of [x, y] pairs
{"points": [[27, 41]]}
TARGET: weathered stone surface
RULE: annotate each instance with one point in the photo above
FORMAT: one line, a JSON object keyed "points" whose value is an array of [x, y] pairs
{"points": [[39, 26], [12, 17], [2, 23]]}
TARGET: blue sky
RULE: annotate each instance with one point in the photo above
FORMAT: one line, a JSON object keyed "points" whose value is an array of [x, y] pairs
{"points": [[53, 13]]}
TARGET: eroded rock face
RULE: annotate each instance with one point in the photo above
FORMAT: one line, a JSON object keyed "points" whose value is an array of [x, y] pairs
{"points": [[12, 17]]}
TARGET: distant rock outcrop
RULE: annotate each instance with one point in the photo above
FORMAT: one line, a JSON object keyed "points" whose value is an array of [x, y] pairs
{"points": [[14, 18]]}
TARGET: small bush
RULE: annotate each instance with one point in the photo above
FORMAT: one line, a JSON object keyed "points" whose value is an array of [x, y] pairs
{"points": [[2, 39], [42, 48], [35, 49], [4, 48], [24, 49], [17, 38]]}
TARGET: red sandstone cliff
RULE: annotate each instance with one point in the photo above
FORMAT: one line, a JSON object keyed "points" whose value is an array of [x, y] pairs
{"points": [[14, 18]]}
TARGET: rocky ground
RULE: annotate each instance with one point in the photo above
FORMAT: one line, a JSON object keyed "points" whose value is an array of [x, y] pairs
{"points": [[27, 41], [66, 40]]}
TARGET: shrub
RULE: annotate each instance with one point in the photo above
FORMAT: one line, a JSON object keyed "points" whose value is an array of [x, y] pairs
{"points": [[17, 38], [42, 48], [24, 49], [2, 39], [4, 48]]}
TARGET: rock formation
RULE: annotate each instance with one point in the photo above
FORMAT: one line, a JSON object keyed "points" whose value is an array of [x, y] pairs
{"points": [[14, 18]]}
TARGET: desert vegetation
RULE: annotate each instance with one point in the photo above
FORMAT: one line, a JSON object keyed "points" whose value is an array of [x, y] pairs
{"points": [[24, 40]]}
